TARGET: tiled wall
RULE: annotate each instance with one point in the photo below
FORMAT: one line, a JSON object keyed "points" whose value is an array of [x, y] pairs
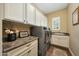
{"points": [[15, 26]]}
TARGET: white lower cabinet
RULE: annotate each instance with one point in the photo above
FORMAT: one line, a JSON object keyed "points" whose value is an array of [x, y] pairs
{"points": [[33, 51], [30, 49], [30, 52], [60, 40]]}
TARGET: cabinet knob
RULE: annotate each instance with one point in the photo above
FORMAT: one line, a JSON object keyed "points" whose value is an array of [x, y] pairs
{"points": [[24, 20]]}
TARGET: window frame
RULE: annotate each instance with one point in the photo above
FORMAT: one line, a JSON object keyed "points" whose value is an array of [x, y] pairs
{"points": [[58, 21]]}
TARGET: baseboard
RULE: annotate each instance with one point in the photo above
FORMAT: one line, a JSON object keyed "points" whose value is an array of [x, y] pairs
{"points": [[62, 47], [71, 52]]}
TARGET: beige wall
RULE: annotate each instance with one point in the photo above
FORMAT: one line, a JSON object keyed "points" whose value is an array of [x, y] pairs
{"points": [[73, 30], [63, 16]]}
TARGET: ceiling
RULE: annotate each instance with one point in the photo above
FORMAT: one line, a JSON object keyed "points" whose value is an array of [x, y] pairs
{"points": [[50, 7]]}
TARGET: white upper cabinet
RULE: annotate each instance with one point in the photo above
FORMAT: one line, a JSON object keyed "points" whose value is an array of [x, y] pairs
{"points": [[1, 10], [30, 14], [41, 20], [38, 18], [25, 13], [14, 11], [45, 22]]}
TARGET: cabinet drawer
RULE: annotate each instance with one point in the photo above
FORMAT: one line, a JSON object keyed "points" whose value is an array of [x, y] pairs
{"points": [[60, 40], [32, 51], [24, 53], [18, 50], [22, 50]]}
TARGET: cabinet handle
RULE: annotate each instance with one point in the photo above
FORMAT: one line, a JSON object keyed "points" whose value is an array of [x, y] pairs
{"points": [[24, 21], [29, 51]]}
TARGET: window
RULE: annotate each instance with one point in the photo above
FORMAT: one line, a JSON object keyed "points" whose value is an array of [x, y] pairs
{"points": [[56, 23]]}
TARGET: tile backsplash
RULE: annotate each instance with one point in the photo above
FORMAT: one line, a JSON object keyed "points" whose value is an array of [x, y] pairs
{"points": [[17, 27]]}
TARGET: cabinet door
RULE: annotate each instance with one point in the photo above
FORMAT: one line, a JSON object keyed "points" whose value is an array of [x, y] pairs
{"points": [[45, 22], [42, 20], [30, 14], [33, 51], [1, 10], [14, 11], [38, 18], [60, 40]]}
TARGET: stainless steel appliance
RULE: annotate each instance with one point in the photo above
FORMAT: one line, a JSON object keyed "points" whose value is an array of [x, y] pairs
{"points": [[44, 39]]}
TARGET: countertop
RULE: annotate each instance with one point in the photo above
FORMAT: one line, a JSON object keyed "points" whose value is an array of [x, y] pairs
{"points": [[60, 33], [8, 46]]}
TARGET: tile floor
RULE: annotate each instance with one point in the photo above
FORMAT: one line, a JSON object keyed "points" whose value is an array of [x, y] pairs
{"points": [[55, 51]]}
